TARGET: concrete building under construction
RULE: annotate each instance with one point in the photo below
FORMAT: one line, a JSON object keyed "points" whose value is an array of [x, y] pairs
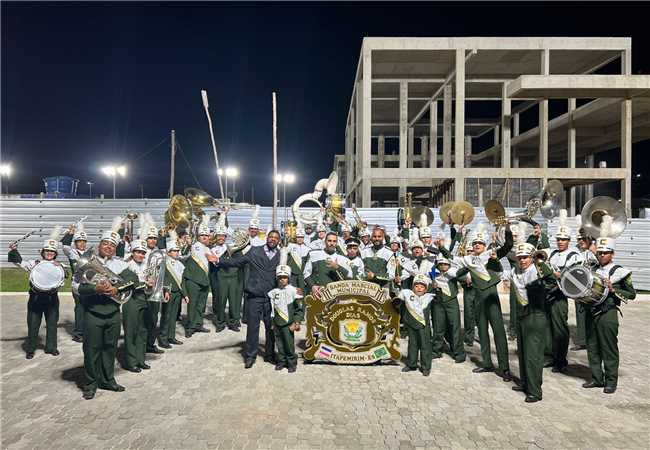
{"points": [[477, 118]]}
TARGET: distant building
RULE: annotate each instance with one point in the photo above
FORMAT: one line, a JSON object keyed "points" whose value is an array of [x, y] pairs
{"points": [[454, 118]]}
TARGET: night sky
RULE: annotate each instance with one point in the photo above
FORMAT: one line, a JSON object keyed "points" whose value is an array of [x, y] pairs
{"points": [[88, 84]]}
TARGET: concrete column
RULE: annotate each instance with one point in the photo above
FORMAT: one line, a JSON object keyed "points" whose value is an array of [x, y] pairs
{"points": [[571, 154], [468, 151], [505, 128], [626, 138], [497, 136], [589, 188], [543, 117], [411, 151], [433, 135], [381, 150], [349, 153], [403, 124], [366, 128], [459, 130], [515, 132], [446, 127], [358, 141], [626, 154], [424, 150]]}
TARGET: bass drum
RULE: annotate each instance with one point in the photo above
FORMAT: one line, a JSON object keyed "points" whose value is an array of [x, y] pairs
{"points": [[47, 276], [583, 285]]}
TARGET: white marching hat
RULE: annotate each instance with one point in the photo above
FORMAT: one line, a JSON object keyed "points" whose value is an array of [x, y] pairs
{"points": [[204, 229], [79, 233], [221, 227], [422, 279], [395, 239], [425, 232], [172, 241], [346, 228], [282, 271], [364, 232], [442, 260], [524, 249], [479, 235], [254, 223], [563, 231], [606, 243], [52, 243], [300, 232], [417, 243], [139, 245], [112, 235]]}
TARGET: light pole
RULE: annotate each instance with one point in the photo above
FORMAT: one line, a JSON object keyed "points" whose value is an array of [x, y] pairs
{"points": [[113, 172], [5, 173], [90, 189], [287, 178], [230, 172]]}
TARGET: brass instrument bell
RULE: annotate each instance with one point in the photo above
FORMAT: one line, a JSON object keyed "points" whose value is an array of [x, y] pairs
{"points": [[594, 210]]}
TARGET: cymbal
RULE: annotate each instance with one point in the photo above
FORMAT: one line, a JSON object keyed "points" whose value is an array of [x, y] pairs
{"points": [[462, 213], [445, 211], [494, 209], [416, 214]]}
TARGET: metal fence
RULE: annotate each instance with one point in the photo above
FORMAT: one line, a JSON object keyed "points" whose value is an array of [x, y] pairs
{"points": [[18, 216]]}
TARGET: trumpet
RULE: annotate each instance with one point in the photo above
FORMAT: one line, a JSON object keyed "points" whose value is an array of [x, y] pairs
{"points": [[360, 223]]}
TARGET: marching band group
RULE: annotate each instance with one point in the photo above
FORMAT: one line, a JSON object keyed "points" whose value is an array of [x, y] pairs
{"points": [[423, 273]]}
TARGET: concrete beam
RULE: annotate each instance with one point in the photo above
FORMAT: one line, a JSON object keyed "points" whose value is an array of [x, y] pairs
{"points": [[498, 172], [498, 43], [579, 86]]}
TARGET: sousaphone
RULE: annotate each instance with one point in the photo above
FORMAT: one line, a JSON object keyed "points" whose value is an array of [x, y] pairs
{"points": [[594, 210]]}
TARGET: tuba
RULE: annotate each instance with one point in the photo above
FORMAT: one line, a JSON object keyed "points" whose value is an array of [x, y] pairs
{"points": [[593, 212], [91, 270], [334, 202]]}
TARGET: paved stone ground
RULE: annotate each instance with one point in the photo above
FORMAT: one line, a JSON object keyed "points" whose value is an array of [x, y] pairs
{"points": [[199, 396]]}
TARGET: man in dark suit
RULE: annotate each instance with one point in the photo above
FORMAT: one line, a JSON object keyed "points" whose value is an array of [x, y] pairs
{"points": [[262, 262]]}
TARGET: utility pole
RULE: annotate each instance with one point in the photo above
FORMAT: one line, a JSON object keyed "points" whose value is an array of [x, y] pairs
{"points": [[275, 163], [252, 194], [171, 178]]}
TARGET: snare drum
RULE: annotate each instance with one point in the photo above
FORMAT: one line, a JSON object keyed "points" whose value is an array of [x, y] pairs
{"points": [[47, 276], [583, 285]]}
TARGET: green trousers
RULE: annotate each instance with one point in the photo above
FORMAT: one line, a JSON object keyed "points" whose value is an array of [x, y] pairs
{"points": [[580, 324], [196, 307], [40, 306], [602, 346], [286, 346], [489, 314], [530, 344], [100, 346], [419, 342], [78, 330], [557, 312], [135, 332], [230, 293], [512, 325], [446, 319], [168, 317], [151, 322], [469, 313]]}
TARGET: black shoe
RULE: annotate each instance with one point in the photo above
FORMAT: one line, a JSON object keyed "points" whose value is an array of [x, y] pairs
{"points": [[219, 328], [155, 349], [548, 364], [134, 369], [460, 360], [249, 363], [609, 389], [507, 376], [532, 399], [577, 348], [559, 369], [89, 395], [29, 355], [77, 338], [291, 369], [409, 369], [175, 342], [164, 345], [280, 366], [518, 388], [113, 387], [145, 366], [234, 328], [188, 333], [483, 369], [270, 359], [436, 356], [202, 330], [426, 372], [54, 353], [592, 384]]}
